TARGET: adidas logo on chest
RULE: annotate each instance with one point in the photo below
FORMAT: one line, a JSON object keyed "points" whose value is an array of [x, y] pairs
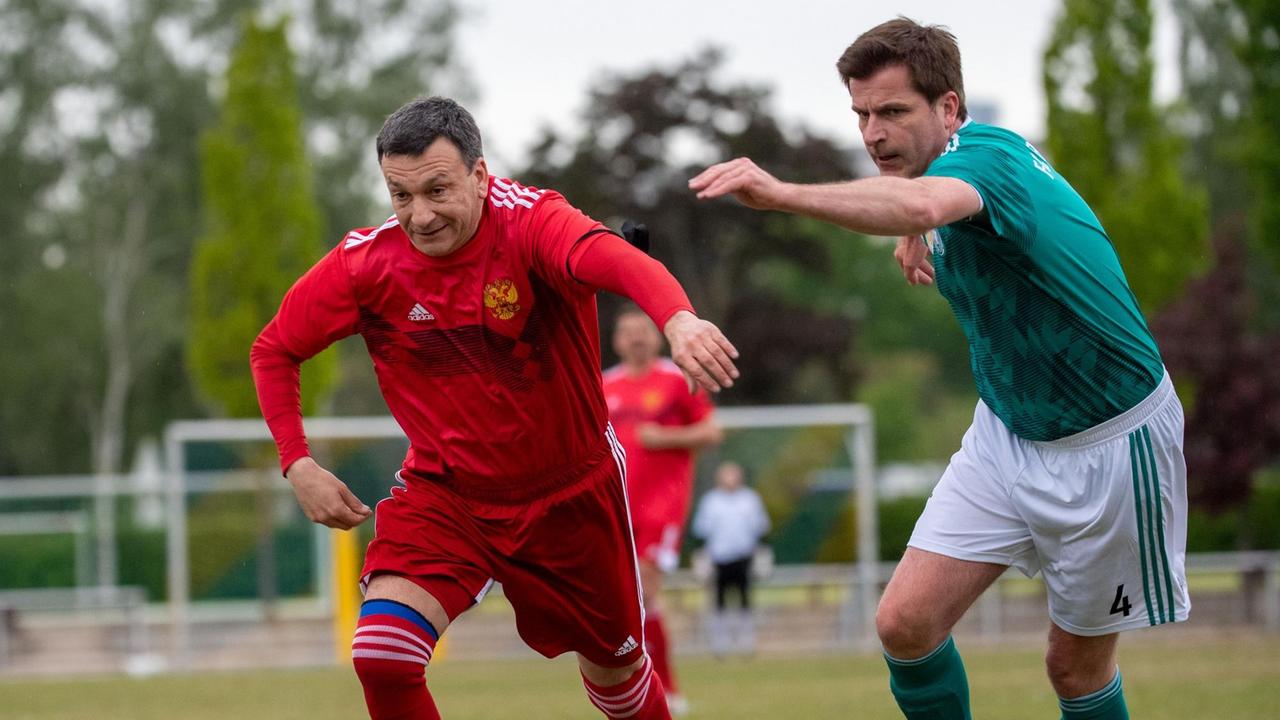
{"points": [[420, 313]]}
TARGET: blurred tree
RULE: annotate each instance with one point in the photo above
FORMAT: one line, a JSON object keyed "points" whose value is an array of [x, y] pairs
{"points": [[1260, 52], [644, 136], [263, 224], [1219, 338], [1110, 140], [1233, 427], [1216, 92], [99, 106], [355, 63], [99, 119]]}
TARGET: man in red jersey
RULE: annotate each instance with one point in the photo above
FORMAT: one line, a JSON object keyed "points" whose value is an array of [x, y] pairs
{"points": [[477, 304], [661, 425]]}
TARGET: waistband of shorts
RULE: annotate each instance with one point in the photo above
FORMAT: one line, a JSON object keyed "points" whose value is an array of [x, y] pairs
{"points": [[1122, 424], [516, 490]]}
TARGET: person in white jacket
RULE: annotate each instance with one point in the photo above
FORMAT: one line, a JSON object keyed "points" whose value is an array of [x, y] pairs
{"points": [[731, 520]]}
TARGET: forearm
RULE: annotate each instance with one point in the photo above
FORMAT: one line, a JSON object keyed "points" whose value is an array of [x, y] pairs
{"points": [[687, 437], [609, 263], [276, 379], [887, 206]]}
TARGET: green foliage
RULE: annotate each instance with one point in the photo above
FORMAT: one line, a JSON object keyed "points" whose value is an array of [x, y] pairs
{"points": [[1260, 52], [37, 561], [896, 518], [1107, 137], [102, 104], [918, 417], [1254, 525], [99, 185], [263, 224]]}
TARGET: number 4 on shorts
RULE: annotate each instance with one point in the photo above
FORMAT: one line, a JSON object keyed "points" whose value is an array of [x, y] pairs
{"points": [[1121, 603]]}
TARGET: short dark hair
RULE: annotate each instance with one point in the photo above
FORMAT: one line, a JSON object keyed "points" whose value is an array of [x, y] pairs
{"points": [[929, 52], [411, 129]]}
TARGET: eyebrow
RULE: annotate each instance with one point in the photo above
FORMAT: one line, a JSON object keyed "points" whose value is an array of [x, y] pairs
{"points": [[891, 105], [437, 179]]}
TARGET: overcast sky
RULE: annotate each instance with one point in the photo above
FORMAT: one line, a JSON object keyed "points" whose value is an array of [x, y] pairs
{"points": [[533, 61]]}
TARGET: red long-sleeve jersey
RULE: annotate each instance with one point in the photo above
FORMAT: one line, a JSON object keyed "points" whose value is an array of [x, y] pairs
{"points": [[488, 358]]}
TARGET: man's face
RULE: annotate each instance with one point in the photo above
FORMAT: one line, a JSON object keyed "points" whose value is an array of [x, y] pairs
{"points": [[903, 132], [636, 339], [437, 199], [729, 476]]}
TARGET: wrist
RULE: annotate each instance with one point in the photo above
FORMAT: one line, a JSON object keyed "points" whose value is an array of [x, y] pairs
{"points": [[301, 463], [677, 317], [787, 198]]}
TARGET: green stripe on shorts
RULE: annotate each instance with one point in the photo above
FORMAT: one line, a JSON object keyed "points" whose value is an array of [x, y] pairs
{"points": [[1164, 554], [1151, 524], [1137, 508]]}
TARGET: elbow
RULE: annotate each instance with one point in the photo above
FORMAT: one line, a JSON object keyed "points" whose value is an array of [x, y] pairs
{"points": [[260, 350], [922, 215]]}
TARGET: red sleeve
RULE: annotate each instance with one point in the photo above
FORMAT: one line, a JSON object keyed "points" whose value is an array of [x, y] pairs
{"points": [[554, 229], [608, 262], [316, 312]]}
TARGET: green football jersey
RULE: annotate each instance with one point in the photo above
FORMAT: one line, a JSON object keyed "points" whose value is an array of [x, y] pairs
{"points": [[1056, 341]]}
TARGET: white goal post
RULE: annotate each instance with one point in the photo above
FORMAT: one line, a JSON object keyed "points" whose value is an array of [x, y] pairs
{"points": [[858, 619]]}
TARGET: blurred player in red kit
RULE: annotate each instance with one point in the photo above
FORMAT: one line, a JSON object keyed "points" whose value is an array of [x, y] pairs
{"points": [[476, 301], [661, 424]]}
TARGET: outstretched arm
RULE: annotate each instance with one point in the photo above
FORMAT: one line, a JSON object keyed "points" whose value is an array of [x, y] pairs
{"points": [[875, 206]]}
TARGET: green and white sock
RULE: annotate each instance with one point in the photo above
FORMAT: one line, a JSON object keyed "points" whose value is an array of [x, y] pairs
{"points": [[933, 687], [1105, 704]]}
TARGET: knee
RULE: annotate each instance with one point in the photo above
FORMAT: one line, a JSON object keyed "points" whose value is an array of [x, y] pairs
{"points": [[907, 633], [1073, 677], [606, 676], [375, 673]]}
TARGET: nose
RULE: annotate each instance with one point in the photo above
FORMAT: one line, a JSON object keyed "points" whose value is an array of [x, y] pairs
{"points": [[422, 216], [873, 130]]}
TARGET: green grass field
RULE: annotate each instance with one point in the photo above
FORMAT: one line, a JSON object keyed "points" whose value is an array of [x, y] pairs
{"points": [[1237, 676]]}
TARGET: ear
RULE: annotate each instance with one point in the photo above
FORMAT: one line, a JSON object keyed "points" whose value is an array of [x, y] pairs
{"points": [[481, 173], [950, 104]]}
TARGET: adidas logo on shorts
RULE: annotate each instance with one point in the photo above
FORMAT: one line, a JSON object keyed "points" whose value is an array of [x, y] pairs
{"points": [[627, 647]]}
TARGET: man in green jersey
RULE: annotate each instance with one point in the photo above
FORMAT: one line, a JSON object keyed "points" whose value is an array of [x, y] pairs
{"points": [[1073, 465]]}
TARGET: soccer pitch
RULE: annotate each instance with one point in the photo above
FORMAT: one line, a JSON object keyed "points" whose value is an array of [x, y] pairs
{"points": [[1237, 676]]}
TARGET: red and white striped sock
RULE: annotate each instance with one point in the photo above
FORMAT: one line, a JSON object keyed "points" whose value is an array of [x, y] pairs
{"points": [[393, 645], [639, 697]]}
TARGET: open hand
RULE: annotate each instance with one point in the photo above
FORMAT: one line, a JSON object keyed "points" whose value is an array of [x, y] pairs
{"points": [[742, 178]]}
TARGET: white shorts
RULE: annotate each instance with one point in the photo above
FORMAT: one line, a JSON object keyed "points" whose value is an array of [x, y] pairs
{"points": [[1103, 514]]}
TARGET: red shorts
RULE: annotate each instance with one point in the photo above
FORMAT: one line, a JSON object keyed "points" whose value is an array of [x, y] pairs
{"points": [[565, 560]]}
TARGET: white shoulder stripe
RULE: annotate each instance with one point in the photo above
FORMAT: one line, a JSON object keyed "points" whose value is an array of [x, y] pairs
{"points": [[509, 193], [354, 238], [517, 189], [509, 203]]}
